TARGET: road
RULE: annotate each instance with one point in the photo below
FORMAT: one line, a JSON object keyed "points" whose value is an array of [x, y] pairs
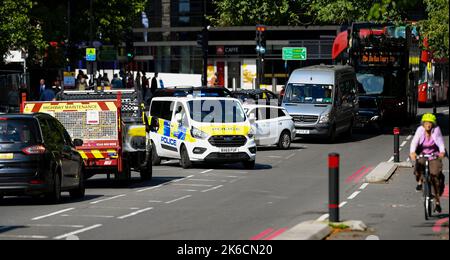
{"points": [[228, 203]]}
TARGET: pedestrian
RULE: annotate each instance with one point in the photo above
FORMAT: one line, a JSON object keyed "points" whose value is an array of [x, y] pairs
{"points": [[138, 81], [81, 83], [105, 80], [41, 86], [154, 86], [145, 84], [116, 83], [130, 81], [48, 94], [213, 81]]}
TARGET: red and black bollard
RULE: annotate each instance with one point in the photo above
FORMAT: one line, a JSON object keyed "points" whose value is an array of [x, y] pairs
{"points": [[396, 145], [333, 165]]}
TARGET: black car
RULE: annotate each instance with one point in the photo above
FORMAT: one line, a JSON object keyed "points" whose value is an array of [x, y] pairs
{"points": [[257, 96], [38, 157], [368, 115]]}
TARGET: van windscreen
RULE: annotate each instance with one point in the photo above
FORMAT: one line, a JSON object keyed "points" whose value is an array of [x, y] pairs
{"points": [[309, 94], [17, 131]]}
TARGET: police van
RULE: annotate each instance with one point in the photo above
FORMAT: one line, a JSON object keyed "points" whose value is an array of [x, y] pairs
{"points": [[201, 129]]}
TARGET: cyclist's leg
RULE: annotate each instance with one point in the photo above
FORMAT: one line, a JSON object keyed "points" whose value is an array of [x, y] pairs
{"points": [[419, 170], [435, 171]]}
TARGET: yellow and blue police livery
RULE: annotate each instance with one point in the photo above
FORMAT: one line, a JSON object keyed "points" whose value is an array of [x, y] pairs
{"points": [[201, 129]]}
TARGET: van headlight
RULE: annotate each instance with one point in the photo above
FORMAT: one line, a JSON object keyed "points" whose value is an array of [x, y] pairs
{"points": [[324, 118], [198, 134]]}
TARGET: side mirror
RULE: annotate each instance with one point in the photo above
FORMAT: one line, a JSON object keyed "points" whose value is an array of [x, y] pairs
{"points": [[78, 142], [252, 118]]}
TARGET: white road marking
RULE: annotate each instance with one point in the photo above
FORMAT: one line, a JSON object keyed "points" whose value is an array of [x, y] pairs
{"points": [[343, 204], [147, 189], [272, 156], [99, 207], [112, 198], [188, 190], [210, 170], [290, 156], [323, 217], [392, 159], [193, 185], [182, 179], [135, 213], [154, 201], [52, 214], [23, 237], [356, 193], [77, 232], [404, 143], [205, 180], [50, 225], [364, 186], [87, 216], [215, 188], [175, 200], [409, 137]]}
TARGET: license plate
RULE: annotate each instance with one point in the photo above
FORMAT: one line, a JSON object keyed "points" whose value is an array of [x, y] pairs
{"points": [[228, 150], [6, 156], [303, 132]]}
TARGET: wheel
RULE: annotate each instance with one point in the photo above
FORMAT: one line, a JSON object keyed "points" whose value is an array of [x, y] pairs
{"points": [[428, 203], [185, 162], [147, 171], [285, 141], [79, 192], [1, 197], [54, 196], [123, 178], [249, 165], [156, 160]]}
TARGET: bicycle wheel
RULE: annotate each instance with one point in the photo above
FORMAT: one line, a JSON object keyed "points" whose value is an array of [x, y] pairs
{"points": [[428, 201]]}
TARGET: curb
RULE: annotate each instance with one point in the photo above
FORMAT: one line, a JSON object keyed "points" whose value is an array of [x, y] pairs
{"points": [[382, 172], [308, 230]]}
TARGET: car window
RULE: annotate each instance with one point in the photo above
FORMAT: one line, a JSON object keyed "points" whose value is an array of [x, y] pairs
{"points": [[281, 113], [17, 131], [52, 131], [162, 110], [67, 138]]}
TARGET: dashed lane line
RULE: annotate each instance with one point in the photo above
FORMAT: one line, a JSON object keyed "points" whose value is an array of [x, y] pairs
{"points": [[175, 200], [108, 199], [151, 188], [52, 214], [364, 186], [77, 232], [135, 213], [356, 193], [214, 188], [23, 237]]}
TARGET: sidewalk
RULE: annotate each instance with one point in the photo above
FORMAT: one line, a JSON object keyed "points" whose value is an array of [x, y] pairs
{"points": [[394, 211]]}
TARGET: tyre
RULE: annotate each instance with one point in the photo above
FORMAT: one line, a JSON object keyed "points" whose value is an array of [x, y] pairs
{"points": [[147, 171], [185, 162], [428, 203], [156, 160], [123, 178], [249, 165], [285, 141], [332, 135], [79, 192], [54, 196]]}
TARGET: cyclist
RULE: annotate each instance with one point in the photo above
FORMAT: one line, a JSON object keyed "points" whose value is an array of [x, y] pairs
{"points": [[428, 140]]}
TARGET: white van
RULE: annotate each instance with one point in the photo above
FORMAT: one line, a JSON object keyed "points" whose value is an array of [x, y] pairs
{"points": [[201, 129]]}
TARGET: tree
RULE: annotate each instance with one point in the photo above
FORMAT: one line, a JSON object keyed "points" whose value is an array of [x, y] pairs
{"points": [[17, 28], [435, 28], [252, 12]]}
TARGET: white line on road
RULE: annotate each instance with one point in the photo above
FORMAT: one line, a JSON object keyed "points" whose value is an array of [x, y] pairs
{"points": [[409, 137], [364, 186], [323, 217], [343, 204], [23, 237], [182, 179], [147, 189], [175, 200], [87, 216], [189, 190], [392, 159], [356, 193], [112, 198], [404, 143], [77, 232], [205, 180], [135, 213], [52, 214], [154, 201], [273, 156], [99, 207], [290, 156], [210, 170], [50, 225], [215, 188], [193, 185]]}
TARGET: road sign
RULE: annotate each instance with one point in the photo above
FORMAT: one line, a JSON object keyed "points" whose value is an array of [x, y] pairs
{"points": [[91, 54], [69, 79], [295, 53]]}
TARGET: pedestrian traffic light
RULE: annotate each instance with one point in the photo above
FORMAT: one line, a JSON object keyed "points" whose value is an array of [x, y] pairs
{"points": [[129, 46], [261, 40]]}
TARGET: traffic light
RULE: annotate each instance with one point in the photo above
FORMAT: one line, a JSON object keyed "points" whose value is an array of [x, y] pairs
{"points": [[261, 47], [129, 46]]}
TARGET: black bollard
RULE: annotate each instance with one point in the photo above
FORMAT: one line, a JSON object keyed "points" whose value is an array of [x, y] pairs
{"points": [[396, 145], [333, 165]]}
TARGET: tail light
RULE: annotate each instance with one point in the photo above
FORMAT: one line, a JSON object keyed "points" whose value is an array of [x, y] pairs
{"points": [[34, 150]]}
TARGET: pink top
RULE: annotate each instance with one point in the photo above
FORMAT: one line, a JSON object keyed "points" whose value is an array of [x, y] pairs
{"points": [[429, 146]]}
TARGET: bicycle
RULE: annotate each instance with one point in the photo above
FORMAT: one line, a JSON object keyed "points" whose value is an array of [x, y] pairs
{"points": [[427, 186]]}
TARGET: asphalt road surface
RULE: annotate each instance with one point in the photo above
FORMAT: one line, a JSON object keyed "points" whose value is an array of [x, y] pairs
{"points": [[213, 202]]}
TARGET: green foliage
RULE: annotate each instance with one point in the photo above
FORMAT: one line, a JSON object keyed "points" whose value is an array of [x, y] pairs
{"points": [[252, 12], [435, 28], [17, 28]]}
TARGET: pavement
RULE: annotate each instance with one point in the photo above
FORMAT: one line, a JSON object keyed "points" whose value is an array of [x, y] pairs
{"points": [[214, 202]]}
